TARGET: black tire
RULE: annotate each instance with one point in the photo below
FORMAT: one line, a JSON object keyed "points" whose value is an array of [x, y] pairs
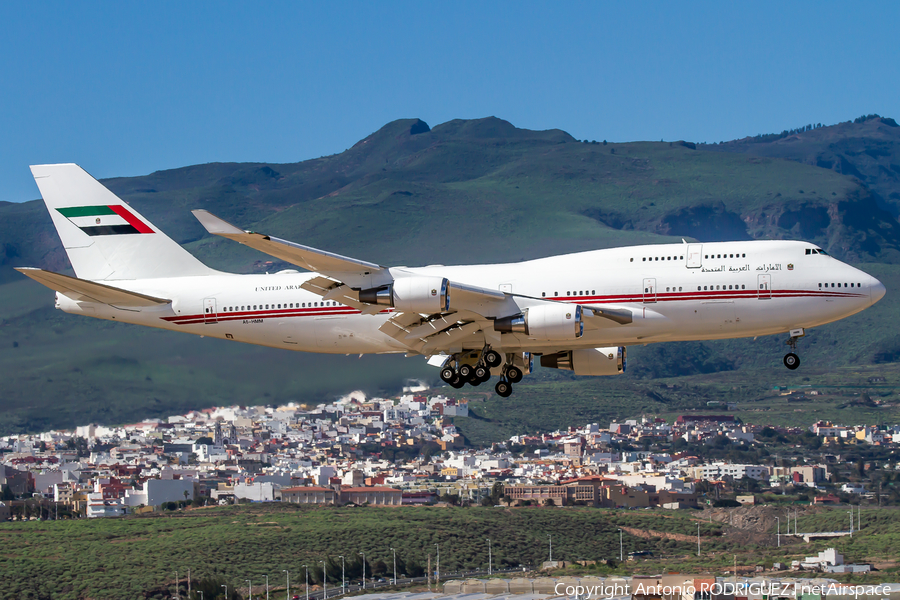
{"points": [[457, 382], [482, 373], [447, 374], [791, 361], [465, 371], [503, 389], [492, 358], [473, 380], [514, 374]]}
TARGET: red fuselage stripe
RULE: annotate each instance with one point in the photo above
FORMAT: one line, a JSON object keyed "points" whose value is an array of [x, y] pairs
{"points": [[627, 299]]}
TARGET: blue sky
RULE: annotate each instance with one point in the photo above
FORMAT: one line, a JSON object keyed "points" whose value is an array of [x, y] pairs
{"points": [[131, 88]]}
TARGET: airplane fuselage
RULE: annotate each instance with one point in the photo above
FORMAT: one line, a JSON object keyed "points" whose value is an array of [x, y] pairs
{"points": [[675, 292]]}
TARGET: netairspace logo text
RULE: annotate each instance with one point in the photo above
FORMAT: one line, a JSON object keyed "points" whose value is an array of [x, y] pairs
{"points": [[771, 588]]}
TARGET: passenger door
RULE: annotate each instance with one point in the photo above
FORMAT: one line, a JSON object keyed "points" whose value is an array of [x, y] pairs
{"points": [[765, 287], [209, 311], [649, 291]]}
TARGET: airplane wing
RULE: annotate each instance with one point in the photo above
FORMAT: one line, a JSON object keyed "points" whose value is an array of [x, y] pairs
{"points": [[89, 291], [304, 257]]}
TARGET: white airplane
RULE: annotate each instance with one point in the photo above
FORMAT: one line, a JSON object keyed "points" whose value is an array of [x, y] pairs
{"points": [[577, 311]]}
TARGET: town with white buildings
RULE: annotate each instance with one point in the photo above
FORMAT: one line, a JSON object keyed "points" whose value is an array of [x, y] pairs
{"points": [[395, 451]]}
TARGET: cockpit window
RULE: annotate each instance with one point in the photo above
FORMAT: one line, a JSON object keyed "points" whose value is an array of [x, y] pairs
{"points": [[816, 251]]}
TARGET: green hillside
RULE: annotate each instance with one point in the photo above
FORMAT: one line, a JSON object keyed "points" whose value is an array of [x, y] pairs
{"points": [[462, 192], [867, 148]]}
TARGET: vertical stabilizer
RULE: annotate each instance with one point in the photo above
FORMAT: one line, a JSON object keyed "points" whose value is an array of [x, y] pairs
{"points": [[105, 238]]}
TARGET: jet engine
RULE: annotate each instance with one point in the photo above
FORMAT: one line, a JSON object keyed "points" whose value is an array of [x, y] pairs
{"points": [[588, 361], [427, 295], [546, 322]]}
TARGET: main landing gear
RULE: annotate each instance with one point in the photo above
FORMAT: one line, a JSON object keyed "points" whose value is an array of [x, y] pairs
{"points": [[791, 360], [474, 368], [511, 374]]}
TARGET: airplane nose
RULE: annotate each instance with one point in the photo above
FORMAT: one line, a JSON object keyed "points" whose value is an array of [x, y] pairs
{"points": [[876, 291]]}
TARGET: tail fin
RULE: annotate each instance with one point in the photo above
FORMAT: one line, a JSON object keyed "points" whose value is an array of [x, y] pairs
{"points": [[105, 238]]}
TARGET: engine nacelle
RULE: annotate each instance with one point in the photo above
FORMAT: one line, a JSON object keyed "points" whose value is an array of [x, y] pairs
{"points": [[588, 361], [428, 295], [546, 322]]}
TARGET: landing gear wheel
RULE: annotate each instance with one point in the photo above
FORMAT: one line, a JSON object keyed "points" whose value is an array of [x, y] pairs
{"points": [[474, 381], [514, 374], [492, 358], [791, 361], [482, 373], [503, 389], [447, 374], [457, 382], [465, 371]]}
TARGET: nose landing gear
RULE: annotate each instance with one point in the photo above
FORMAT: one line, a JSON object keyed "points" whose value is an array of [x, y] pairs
{"points": [[791, 360]]}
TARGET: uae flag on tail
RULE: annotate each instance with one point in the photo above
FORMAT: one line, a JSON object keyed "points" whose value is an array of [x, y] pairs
{"points": [[104, 220]]}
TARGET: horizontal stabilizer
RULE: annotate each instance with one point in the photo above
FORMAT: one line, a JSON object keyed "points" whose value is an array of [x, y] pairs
{"points": [[304, 257], [82, 290]]}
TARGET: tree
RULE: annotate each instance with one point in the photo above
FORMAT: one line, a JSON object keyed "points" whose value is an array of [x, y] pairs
{"points": [[496, 492], [7, 494], [212, 589], [549, 502], [508, 499], [378, 568]]}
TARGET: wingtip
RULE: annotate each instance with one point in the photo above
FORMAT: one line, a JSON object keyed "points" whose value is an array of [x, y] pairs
{"points": [[214, 224]]}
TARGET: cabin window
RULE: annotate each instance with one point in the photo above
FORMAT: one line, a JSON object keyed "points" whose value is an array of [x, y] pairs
{"points": [[839, 285], [543, 294], [743, 287], [698, 288], [704, 288], [556, 293], [630, 260], [657, 258], [679, 288], [680, 258], [645, 259], [667, 289], [593, 292], [820, 285]]}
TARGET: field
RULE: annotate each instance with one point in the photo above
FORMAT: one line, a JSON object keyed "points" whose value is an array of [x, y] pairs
{"points": [[136, 557]]}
